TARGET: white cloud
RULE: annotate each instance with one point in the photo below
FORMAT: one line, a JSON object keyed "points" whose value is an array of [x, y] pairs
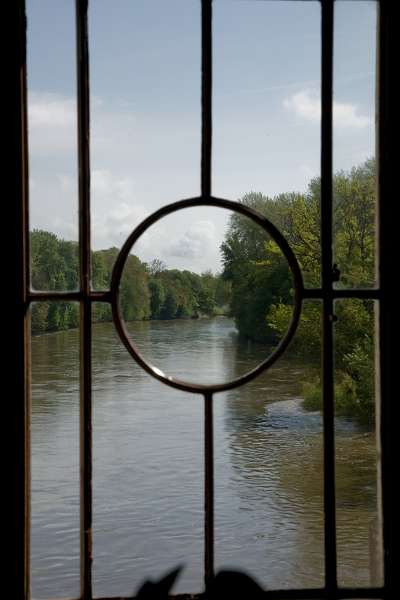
{"points": [[304, 105], [345, 115], [115, 211], [307, 104], [51, 110], [195, 242], [51, 123]]}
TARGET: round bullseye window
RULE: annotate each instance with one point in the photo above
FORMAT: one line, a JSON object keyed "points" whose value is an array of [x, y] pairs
{"points": [[207, 275]]}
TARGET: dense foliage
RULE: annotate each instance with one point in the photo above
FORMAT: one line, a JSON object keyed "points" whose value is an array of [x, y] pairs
{"points": [[261, 302], [147, 291]]}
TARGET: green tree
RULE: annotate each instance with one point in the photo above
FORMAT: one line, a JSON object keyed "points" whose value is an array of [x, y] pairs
{"points": [[261, 290], [354, 224], [134, 290], [157, 297], [47, 262], [254, 266]]}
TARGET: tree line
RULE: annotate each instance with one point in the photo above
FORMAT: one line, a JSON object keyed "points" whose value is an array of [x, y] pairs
{"points": [[262, 287], [255, 286], [147, 291]]}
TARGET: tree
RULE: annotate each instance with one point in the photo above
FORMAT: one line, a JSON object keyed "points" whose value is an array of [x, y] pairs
{"points": [[134, 291], [354, 224], [156, 266], [256, 270], [157, 297], [261, 290]]}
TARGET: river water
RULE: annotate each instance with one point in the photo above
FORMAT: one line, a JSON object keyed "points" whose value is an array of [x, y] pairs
{"points": [[148, 466]]}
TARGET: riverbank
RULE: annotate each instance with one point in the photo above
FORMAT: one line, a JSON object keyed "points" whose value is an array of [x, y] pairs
{"points": [[74, 323]]}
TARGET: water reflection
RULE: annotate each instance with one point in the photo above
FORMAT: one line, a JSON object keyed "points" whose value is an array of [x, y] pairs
{"points": [[276, 455], [55, 465], [148, 465], [275, 462]]}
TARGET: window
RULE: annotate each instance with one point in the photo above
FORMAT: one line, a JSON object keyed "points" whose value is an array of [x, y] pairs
{"points": [[19, 296]]}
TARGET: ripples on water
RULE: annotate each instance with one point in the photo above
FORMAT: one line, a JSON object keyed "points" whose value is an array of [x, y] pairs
{"points": [[148, 466]]}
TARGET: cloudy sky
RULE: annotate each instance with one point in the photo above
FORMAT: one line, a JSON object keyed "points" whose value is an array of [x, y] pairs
{"points": [[145, 112]]}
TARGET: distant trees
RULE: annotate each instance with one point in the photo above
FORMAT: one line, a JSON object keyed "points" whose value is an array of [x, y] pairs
{"points": [[148, 291], [178, 294], [54, 266]]}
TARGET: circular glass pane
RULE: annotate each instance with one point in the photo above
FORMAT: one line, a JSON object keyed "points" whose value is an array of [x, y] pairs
{"points": [[198, 291]]}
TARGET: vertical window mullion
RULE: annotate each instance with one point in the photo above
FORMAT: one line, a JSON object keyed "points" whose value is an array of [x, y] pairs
{"points": [[85, 307], [206, 97], [209, 489], [206, 148], [327, 286], [388, 322], [15, 277]]}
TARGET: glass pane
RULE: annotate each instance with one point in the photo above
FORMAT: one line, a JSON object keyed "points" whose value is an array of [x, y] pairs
{"points": [[55, 450], [53, 190], [358, 513], [269, 466], [354, 142], [145, 105], [203, 280], [54, 262], [148, 473], [266, 125]]}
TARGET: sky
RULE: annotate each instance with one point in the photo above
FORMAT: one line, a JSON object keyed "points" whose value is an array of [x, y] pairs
{"points": [[145, 78]]}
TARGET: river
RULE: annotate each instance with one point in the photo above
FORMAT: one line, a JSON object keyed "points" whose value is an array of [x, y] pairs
{"points": [[148, 466]]}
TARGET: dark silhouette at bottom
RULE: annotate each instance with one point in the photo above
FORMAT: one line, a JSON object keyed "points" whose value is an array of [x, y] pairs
{"points": [[159, 589], [225, 584]]}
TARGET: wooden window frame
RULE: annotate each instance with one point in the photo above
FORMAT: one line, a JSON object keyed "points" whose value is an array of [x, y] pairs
{"points": [[18, 296]]}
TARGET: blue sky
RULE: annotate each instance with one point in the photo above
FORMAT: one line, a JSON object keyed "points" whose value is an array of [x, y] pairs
{"points": [[145, 112]]}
